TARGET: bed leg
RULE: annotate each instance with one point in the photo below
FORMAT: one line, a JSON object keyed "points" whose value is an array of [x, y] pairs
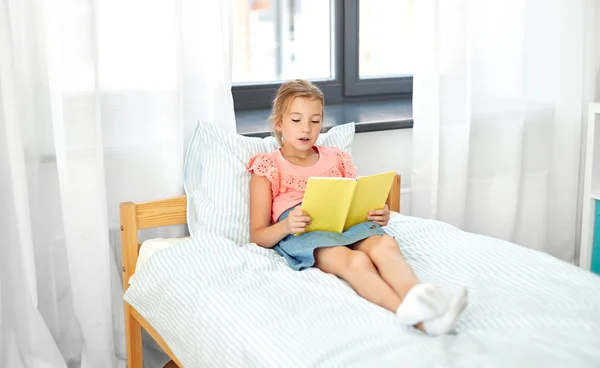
{"points": [[129, 249], [133, 331]]}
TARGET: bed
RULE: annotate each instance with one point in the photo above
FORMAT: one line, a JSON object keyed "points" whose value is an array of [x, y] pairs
{"points": [[242, 306], [216, 300], [160, 213]]}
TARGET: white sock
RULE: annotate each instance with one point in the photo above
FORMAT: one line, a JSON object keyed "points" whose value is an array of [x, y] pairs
{"points": [[445, 323], [422, 302]]}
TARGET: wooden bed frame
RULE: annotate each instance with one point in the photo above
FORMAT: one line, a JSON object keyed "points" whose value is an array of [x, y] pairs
{"points": [[165, 212]]}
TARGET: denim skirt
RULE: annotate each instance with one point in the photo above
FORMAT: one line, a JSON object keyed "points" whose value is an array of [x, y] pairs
{"points": [[299, 250]]}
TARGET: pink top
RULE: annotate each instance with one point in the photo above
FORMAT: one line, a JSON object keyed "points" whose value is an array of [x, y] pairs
{"points": [[288, 181]]}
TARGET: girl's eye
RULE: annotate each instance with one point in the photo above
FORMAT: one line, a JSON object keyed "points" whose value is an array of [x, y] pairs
{"points": [[295, 121], [317, 121]]}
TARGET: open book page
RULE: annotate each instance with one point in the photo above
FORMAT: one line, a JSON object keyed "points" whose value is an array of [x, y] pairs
{"points": [[327, 201], [370, 194]]}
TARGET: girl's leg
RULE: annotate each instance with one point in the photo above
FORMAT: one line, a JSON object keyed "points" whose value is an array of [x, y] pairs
{"points": [[393, 268], [385, 254], [357, 269]]}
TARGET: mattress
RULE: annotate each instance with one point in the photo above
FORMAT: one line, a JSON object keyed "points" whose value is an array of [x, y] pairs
{"points": [[150, 247], [216, 303]]}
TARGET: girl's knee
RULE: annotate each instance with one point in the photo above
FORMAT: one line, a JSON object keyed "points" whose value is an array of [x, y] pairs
{"points": [[385, 246], [342, 261], [358, 261]]}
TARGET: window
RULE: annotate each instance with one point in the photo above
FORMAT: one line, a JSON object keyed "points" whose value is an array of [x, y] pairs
{"points": [[281, 40], [377, 56], [354, 50]]}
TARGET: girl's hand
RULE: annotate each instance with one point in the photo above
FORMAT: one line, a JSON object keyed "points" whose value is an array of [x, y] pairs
{"points": [[297, 221], [380, 217]]}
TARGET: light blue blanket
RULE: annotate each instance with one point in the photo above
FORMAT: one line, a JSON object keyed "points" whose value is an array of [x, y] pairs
{"points": [[217, 304]]}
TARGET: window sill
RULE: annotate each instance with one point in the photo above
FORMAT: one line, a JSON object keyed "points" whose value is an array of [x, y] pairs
{"points": [[369, 116]]}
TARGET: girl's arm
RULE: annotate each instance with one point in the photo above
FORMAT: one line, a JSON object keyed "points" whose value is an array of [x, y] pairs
{"points": [[261, 232]]}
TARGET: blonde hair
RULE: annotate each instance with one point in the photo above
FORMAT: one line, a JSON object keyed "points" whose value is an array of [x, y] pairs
{"points": [[286, 93]]}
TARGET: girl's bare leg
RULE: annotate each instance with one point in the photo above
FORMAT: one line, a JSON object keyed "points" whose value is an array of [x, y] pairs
{"points": [[385, 254], [357, 269], [426, 303]]}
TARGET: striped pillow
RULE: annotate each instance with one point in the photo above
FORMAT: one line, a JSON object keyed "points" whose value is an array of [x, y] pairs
{"points": [[217, 183]]}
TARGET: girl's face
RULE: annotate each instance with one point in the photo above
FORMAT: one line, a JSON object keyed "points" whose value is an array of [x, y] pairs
{"points": [[301, 123]]}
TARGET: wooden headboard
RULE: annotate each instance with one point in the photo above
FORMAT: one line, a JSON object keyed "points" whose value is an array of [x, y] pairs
{"points": [[165, 212]]}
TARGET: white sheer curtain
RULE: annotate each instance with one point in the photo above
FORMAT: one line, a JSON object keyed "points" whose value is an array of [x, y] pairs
{"points": [[97, 102], [500, 90]]}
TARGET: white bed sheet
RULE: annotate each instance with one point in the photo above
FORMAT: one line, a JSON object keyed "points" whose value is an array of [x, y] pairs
{"points": [[218, 304], [150, 247]]}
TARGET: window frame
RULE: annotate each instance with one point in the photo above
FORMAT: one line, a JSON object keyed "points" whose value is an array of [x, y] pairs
{"points": [[353, 84], [346, 84]]}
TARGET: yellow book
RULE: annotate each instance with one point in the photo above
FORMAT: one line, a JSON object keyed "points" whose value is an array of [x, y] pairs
{"points": [[336, 204]]}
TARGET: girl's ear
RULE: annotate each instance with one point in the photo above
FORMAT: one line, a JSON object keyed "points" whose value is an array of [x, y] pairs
{"points": [[278, 126]]}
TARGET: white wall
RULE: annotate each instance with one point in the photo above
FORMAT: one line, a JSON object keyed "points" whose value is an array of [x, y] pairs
{"points": [[379, 151]]}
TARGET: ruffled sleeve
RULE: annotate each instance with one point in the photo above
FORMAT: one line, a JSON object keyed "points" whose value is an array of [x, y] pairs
{"points": [[264, 165], [345, 163]]}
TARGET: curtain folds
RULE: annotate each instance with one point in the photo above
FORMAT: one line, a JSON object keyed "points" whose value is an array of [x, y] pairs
{"points": [[499, 103], [98, 100]]}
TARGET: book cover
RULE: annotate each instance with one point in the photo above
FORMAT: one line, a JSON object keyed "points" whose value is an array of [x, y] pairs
{"points": [[336, 204]]}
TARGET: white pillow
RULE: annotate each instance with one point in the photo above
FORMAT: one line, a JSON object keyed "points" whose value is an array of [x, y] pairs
{"points": [[217, 182]]}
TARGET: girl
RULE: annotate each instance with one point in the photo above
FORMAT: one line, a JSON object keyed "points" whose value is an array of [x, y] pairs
{"points": [[364, 256]]}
